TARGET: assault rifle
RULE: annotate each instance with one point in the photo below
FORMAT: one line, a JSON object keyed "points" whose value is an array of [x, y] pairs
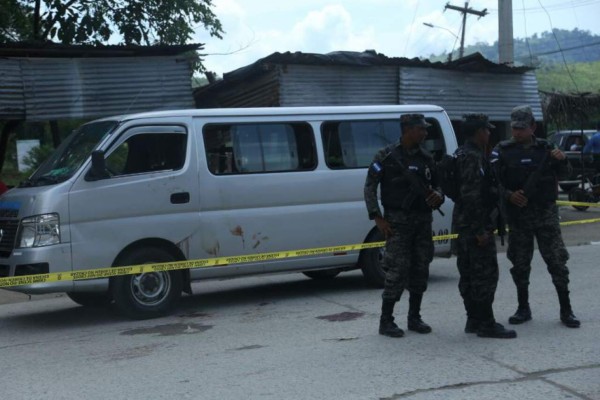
{"points": [[417, 187]]}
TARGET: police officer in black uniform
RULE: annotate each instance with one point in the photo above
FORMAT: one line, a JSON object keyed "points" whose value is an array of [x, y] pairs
{"points": [[409, 192], [527, 168]]}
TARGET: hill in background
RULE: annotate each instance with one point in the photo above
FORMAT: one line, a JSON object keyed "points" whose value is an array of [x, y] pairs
{"points": [[549, 52]]}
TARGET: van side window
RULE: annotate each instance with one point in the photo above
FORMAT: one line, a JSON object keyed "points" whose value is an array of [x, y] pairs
{"points": [[148, 152], [353, 144], [434, 142], [253, 148]]}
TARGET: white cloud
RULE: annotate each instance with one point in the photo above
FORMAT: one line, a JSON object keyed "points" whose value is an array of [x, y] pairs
{"points": [[331, 28], [255, 29]]}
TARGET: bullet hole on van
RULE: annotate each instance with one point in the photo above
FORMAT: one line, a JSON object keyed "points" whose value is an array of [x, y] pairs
{"points": [[238, 231], [213, 251], [341, 317], [257, 238]]}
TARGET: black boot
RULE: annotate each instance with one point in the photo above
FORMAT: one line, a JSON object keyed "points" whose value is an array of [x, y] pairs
{"points": [[489, 328], [472, 321], [566, 313], [492, 329], [415, 323], [523, 313], [387, 327]]}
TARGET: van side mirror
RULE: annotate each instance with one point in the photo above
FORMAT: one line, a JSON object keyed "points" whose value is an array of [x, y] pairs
{"points": [[98, 170]]}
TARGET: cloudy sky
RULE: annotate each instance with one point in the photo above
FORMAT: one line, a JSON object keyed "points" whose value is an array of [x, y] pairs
{"points": [[257, 28]]}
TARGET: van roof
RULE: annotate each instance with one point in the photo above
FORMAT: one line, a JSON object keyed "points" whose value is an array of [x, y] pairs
{"points": [[238, 112]]}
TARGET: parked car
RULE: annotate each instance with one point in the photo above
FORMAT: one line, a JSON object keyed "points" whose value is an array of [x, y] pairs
{"points": [[572, 143]]}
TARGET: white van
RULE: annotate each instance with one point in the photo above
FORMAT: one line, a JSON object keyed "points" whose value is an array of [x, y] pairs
{"points": [[194, 184]]}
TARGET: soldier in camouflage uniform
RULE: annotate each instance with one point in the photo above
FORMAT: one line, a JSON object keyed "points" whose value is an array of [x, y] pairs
{"points": [[472, 217], [531, 210], [406, 222]]}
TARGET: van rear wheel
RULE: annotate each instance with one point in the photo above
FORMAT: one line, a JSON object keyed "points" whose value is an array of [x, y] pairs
{"points": [[579, 195], [371, 261], [147, 295]]}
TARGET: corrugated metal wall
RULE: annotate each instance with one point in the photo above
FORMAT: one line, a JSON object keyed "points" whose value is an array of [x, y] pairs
{"points": [[92, 87], [460, 92], [12, 101], [335, 85]]}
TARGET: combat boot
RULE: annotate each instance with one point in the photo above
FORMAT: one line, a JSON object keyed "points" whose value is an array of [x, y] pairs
{"points": [[492, 329], [523, 313], [488, 327], [566, 313], [387, 326], [415, 323]]}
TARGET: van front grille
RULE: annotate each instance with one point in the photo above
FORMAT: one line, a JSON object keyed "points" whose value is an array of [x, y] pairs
{"points": [[8, 235]]}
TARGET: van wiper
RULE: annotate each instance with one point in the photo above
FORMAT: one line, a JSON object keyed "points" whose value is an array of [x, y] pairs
{"points": [[42, 180]]}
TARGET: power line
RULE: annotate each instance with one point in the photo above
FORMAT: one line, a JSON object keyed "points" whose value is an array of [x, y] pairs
{"points": [[560, 49], [567, 49], [526, 35], [465, 10]]}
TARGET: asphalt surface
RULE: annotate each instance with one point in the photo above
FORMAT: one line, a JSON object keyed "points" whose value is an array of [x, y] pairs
{"points": [[289, 337]]}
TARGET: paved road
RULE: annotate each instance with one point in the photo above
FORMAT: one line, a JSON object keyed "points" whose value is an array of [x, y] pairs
{"points": [[287, 337], [575, 235]]}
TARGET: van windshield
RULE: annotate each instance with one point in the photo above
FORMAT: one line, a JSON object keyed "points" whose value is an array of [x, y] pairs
{"points": [[71, 153]]}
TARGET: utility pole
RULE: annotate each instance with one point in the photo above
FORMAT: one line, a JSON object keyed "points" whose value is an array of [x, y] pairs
{"points": [[505, 32], [465, 10]]}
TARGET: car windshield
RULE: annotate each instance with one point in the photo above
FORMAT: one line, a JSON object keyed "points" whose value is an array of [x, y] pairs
{"points": [[71, 154]]}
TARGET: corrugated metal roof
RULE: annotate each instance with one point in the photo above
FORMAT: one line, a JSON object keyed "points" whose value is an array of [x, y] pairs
{"points": [[303, 85], [92, 87], [473, 63], [57, 50], [12, 101], [469, 84], [460, 92]]}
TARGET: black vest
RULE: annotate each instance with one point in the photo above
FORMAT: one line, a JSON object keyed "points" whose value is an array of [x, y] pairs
{"points": [[396, 191], [520, 162]]}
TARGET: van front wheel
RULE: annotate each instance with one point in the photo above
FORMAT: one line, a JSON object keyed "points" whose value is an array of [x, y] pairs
{"points": [[147, 295]]}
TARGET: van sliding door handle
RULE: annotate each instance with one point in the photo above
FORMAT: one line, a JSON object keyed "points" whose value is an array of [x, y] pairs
{"points": [[180, 198]]}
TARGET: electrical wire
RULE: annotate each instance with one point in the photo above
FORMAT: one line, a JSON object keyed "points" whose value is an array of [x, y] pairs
{"points": [[526, 35], [559, 48], [412, 25]]}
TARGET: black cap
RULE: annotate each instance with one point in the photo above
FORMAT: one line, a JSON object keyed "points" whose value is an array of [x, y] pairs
{"points": [[414, 120]]}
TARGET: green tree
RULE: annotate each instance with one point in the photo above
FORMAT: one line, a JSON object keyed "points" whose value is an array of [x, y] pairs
{"points": [[15, 21], [142, 22]]}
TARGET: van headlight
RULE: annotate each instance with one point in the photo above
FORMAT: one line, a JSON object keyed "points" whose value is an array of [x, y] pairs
{"points": [[40, 230]]}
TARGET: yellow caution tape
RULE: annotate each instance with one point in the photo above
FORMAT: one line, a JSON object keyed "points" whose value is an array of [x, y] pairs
{"points": [[203, 263], [583, 221], [576, 203]]}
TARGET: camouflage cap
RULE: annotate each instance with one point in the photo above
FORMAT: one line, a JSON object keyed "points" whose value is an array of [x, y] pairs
{"points": [[414, 120], [521, 117], [478, 121]]}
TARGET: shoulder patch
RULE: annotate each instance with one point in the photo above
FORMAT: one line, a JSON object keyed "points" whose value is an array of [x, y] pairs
{"points": [[376, 167]]}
